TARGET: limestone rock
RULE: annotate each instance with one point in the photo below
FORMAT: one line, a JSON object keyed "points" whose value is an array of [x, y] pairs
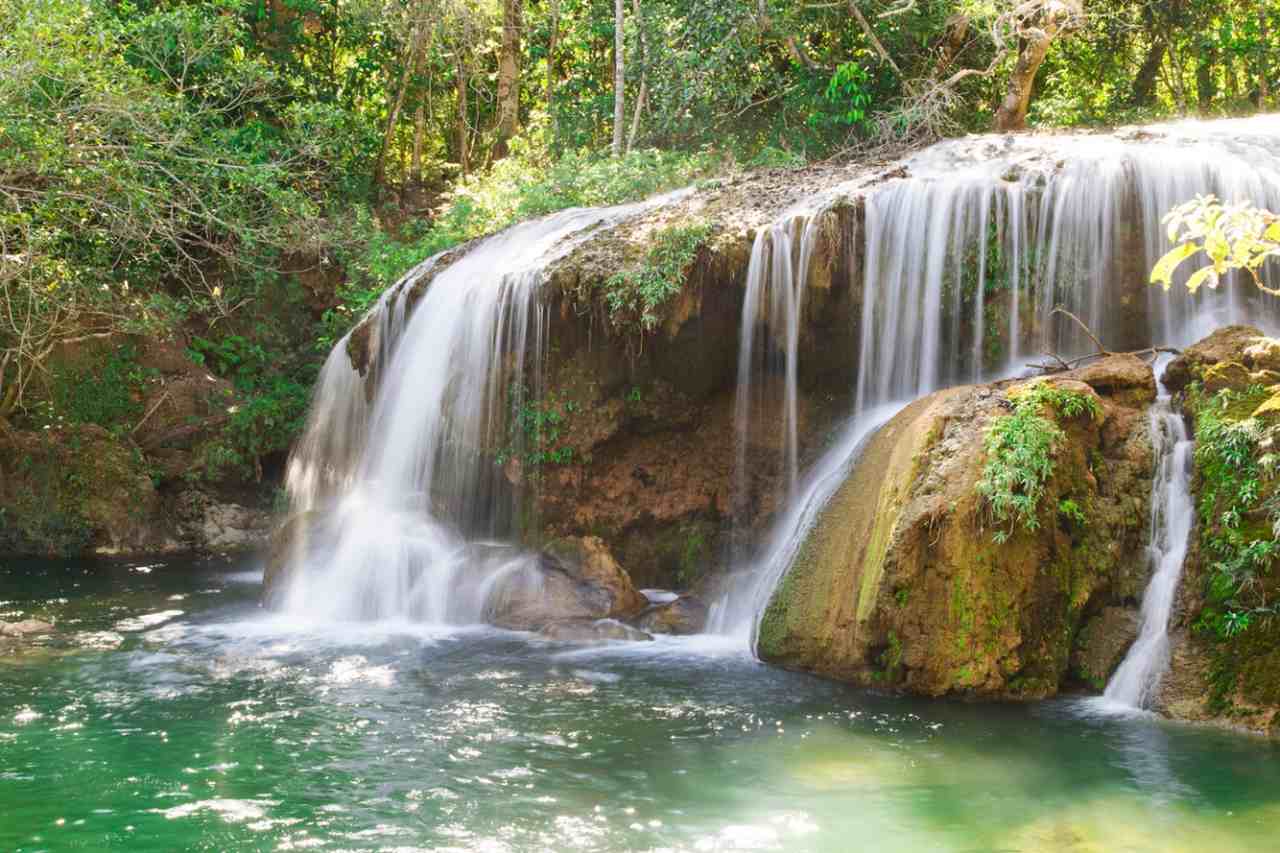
{"points": [[209, 525], [901, 583], [686, 615], [1228, 343], [25, 628], [1123, 378], [538, 594], [598, 631], [1102, 643], [588, 559], [77, 489]]}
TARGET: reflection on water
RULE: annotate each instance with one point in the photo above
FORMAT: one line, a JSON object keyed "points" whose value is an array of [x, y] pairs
{"points": [[144, 724]]}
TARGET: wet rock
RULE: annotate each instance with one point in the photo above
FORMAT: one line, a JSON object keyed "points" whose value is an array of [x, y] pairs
{"points": [[598, 631], [685, 615], [1102, 643], [587, 559], [25, 628], [902, 583], [1229, 343], [537, 594], [288, 546]]}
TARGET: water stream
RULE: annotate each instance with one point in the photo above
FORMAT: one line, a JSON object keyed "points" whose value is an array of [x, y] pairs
{"points": [[965, 259], [405, 482], [169, 712], [1135, 683]]}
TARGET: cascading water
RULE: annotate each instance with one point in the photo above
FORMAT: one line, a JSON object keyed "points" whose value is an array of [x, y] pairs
{"points": [[966, 258], [404, 483], [1135, 683], [769, 340]]}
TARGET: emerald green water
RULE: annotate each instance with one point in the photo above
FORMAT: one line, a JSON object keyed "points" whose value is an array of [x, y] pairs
{"points": [[168, 712]]}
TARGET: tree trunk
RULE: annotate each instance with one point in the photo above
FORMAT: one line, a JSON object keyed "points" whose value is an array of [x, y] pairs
{"points": [[1051, 18], [619, 79], [1264, 84], [644, 78], [509, 76], [416, 43], [552, 43], [1144, 84], [1206, 86], [1012, 114], [461, 129]]}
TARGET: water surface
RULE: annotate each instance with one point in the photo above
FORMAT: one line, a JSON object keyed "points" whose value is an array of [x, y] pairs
{"points": [[169, 712]]}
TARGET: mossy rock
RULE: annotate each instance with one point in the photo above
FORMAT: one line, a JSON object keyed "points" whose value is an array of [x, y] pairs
{"points": [[901, 582], [77, 490]]}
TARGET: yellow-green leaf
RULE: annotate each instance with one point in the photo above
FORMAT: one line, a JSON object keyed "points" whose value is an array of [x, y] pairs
{"points": [[1162, 272]]}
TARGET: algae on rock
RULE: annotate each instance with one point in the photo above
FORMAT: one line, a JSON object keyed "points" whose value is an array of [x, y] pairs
{"points": [[901, 582]]}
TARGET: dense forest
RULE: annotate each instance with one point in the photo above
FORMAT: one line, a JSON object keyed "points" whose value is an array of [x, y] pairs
{"points": [[243, 177]]}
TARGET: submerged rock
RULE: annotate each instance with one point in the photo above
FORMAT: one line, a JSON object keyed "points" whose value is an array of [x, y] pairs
{"points": [[25, 628], [685, 615], [902, 582], [598, 631]]}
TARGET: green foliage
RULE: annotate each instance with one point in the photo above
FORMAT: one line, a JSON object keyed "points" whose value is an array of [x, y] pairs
{"points": [[536, 429], [1237, 480], [267, 411], [1071, 511], [105, 392], [1020, 451], [1236, 236], [849, 92], [636, 295]]}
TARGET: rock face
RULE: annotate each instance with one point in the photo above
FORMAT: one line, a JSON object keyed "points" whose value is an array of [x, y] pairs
{"points": [[76, 489], [1223, 672], [902, 584]]}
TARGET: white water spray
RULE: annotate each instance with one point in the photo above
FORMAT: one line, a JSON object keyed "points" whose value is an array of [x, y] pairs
{"points": [[402, 483]]}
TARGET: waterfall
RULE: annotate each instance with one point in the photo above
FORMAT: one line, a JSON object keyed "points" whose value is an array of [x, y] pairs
{"points": [[1135, 683], [403, 481], [969, 251], [769, 342]]}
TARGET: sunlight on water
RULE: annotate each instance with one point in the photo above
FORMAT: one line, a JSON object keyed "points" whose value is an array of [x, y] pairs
{"points": [[238, 730]]}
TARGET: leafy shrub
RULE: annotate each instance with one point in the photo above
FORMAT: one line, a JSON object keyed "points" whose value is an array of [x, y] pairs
{"points": [[1237, 478], [636, 295], [1020, 451]]}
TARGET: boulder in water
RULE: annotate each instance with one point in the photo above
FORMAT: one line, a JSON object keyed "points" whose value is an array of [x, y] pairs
{"points": [[588, 559], [902, 583], [574, 580], [25, 628], [686, 615]]}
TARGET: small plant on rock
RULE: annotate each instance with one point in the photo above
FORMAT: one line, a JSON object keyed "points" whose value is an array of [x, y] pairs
{"points": [[1020, 450]]}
